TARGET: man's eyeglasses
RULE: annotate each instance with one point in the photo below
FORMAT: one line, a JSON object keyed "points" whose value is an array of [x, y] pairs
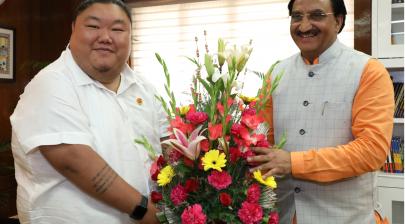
{"points": [[297, 17]]}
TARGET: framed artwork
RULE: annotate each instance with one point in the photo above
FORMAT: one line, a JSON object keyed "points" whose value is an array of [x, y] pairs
{"points": [[7, 54]]}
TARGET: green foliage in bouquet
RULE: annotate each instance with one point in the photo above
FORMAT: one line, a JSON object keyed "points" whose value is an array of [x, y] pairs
{"points": [[204, 176]]}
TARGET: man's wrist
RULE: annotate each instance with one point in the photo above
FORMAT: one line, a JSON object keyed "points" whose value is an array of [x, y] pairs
{"points": [[140, 210]]}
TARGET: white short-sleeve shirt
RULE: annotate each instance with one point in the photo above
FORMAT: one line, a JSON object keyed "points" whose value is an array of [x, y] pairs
{"points": [[64, 105]]}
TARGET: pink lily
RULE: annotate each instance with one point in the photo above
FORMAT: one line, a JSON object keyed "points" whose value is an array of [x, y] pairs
{"points": [[189, 147]]}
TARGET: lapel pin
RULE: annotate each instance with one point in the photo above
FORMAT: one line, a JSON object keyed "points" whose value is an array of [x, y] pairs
{"points": [[139, 101]]}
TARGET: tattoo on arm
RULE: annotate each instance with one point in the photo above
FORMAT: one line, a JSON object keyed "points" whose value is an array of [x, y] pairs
{"points": [[104, 179]]}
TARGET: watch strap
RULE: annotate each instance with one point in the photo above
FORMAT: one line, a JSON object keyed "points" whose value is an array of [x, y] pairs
{"points": [[140, 210]]}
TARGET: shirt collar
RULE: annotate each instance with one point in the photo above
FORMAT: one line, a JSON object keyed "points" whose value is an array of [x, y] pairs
{"points": [[327, 55], [128, 76]]}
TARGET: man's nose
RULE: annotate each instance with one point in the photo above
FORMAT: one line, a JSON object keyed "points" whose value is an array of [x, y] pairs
{"points": [[105, 36], [305, 24]]}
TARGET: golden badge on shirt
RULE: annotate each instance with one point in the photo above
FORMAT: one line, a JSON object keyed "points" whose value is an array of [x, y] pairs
{"points": [[139, 101]]}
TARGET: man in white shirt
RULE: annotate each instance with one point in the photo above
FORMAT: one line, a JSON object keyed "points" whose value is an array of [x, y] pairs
{"points": [[75, 124]]}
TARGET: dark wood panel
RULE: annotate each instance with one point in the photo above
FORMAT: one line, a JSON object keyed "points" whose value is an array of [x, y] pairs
{"points": [[42, 31], [362, 26]]}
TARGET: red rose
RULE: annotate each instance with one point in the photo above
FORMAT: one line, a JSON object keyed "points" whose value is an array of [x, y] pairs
{"points": [[225, 199], [191, 185], [156, 196]]}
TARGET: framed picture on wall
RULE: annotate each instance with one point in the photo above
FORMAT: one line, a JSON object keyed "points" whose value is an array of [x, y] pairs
{"points": [[7, 54]]}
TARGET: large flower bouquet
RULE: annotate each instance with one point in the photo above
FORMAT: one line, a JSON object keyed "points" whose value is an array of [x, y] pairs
{"points": [[203, 176]]}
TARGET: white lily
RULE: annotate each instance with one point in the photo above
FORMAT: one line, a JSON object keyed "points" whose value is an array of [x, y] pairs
{"points": [[217, 75], [237, 57]]}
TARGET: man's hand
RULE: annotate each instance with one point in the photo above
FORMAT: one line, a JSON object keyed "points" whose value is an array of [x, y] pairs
{"points": [[272, 162]]}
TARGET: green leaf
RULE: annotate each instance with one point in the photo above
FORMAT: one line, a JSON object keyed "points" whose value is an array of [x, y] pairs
{"points": [[205, 84], [149, 148], [282, 141], [194, 61]]}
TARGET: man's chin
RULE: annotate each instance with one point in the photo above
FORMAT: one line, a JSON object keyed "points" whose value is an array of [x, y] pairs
{"points": [[102, 68]]}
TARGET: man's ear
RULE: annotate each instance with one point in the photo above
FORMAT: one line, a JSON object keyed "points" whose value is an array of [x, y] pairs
{"points": [[339, 22], [73, 26]]}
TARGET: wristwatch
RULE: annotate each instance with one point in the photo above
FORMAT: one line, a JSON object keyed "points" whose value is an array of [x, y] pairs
{"points": [[140, 210]]}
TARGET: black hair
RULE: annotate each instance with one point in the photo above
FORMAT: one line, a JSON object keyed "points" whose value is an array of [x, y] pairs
{"points": [[83, 5], [338, 7]]}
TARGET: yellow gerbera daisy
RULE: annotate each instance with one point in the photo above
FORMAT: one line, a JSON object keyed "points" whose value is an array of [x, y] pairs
{"points": [[270, 181], [184, 109], [213, 160], [247, 99], [165, 176]]}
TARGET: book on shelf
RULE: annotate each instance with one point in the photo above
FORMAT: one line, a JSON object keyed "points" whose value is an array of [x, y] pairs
{"points": [[399, 99], [395, 159]]}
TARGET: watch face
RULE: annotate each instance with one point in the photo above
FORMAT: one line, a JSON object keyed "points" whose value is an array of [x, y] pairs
{"points": [[141, 209]]}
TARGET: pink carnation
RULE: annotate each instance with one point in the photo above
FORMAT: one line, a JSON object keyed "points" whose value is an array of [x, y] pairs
{"points": [[253, 193], [178, 194], [250, 213], [196, 117], [219, 180], [273, 218], [193, 215]]}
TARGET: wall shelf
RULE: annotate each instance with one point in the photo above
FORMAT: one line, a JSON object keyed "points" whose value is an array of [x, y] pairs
{"points": [[397, 5], [398, 120], [395, 180]]}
